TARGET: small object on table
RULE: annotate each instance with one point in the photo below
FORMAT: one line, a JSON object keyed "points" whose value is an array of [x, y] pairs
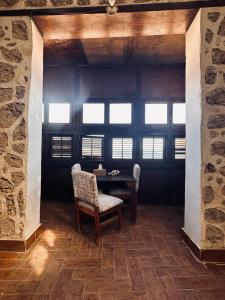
{"points": [[114, 173], [100, 171]]}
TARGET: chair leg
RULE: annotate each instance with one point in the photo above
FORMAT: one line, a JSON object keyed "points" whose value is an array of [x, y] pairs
{"points": [[97, 229], [78, 219], [119, 219]]}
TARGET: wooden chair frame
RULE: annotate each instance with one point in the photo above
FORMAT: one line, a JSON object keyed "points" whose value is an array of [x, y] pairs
{"points": [[96, 214]]}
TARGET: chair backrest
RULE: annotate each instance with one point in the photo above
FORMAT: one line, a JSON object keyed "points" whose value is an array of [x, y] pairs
{"points": [[76, 168], [136, 175], [85, 187]]}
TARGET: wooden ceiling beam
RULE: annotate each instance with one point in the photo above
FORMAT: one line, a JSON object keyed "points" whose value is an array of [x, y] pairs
{"points": [[92, 9]]}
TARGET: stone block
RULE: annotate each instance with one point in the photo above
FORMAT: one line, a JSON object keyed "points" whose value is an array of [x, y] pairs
{"points": [[208, 194], [214, 234]]}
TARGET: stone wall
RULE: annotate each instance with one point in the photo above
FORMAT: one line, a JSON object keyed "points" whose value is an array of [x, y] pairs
{"points": [[26, 4], [15, 62], [213, 127]]}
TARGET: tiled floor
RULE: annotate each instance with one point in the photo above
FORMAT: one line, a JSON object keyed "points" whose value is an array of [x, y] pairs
{"points": [[146, 261]]}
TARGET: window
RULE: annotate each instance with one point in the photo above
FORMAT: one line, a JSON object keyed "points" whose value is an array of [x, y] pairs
{"points": [[122, 148], [179, 113], [156, 113], [120, 113], [180, 148], [152, 148], [61, 147], [92, 147], [59, 113], [93, 113]]}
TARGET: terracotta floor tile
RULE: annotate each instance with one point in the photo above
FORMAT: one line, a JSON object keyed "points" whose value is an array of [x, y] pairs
{"points": [[141, 252], [136, 277], [18, 287], [81, 263], [48, 277], [75, 290], [91, 296], [212, 294], [170, 288], [129, 245], [107, 258], [25, 297], [62, 285], [189, 294], [153, 285], [161, 245], [140, 295], [163, 261], [12, 263], [8, 255], [175, 271], [120, 264], [15, 274], [108, 285], [196, 282], [72, 254], [93, 273]]}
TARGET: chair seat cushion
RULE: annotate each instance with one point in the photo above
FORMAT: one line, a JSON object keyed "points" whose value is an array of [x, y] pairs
{"points": [[105, 202], [119, 191]]}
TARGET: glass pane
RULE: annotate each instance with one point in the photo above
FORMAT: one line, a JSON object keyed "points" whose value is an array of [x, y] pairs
{"points": [[93, 113], [120, 113], [156, 113], [179, 113], [59, 113]]}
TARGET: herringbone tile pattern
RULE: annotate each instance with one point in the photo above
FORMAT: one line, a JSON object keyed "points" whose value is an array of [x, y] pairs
{"points": [[145, 261]]}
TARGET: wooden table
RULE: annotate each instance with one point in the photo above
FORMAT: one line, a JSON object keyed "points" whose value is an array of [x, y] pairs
{"points": [[130, 182]]}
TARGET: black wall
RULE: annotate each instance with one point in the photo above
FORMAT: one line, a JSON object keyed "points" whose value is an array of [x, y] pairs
{"points": [[162, 182]]}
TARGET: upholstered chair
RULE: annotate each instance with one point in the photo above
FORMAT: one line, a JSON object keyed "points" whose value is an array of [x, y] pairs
{"points": [[76, 168], [89, 201], [124, 192]]}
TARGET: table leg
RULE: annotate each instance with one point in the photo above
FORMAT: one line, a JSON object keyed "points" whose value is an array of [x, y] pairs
{"points": [[133, 202]]}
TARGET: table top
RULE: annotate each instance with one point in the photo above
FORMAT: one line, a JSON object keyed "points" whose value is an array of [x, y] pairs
{"points": [[119, 178]]}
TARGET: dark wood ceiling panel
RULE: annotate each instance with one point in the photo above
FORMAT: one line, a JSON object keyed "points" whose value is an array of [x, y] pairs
{"points": [[104, 51], [159, 49], [85, 26], [64, 52]]}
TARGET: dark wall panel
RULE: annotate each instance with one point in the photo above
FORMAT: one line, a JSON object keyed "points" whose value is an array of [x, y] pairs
{"points": [[103, 83], [59, 84], [163, 82]]}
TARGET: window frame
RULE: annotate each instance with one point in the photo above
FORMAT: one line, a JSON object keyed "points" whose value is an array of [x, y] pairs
{"points": [[93, 101], [100, 159], [111, 148], [179, 161], [177, 124], [156, 102], [60, 159], [58, 126], [121, 101], [164, 137]]}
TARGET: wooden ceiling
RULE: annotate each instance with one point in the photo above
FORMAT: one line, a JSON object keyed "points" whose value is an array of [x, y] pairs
{"points": [[124, 38]]}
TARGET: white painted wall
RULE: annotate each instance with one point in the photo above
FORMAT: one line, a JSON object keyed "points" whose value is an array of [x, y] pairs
{"points": [[32, 214], [192, 219]]}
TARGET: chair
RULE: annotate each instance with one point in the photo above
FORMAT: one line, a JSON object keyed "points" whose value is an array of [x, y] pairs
{"points": [[123, 192], [89, 201], [76, 168]]}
